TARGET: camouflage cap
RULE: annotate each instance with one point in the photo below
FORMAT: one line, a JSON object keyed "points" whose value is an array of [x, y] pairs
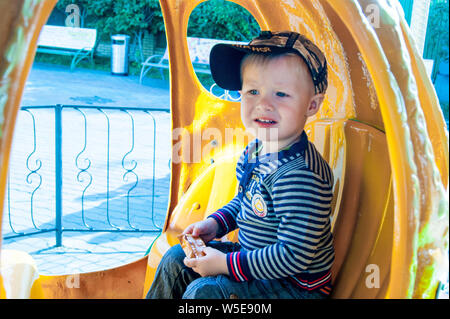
{"points": [[225, 59]]}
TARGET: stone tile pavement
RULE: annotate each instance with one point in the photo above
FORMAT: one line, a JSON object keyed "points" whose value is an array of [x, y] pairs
{"points": [[96, 193]]}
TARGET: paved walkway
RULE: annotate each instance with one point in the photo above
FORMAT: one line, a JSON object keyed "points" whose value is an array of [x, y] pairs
{"points": [[50, 84], [96, 193]]}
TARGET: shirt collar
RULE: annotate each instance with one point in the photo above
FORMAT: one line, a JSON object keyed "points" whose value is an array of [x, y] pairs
{"points": [[297, 147], [251, 161]]}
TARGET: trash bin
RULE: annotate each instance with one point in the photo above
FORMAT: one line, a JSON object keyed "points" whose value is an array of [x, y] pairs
{"points": [[119, 54]]}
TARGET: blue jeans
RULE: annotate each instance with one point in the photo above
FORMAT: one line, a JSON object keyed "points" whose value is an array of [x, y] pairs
{"points": [[174, 280]]}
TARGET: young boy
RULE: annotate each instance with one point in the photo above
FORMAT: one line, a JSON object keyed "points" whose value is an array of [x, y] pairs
{"points": [[282, 209]]}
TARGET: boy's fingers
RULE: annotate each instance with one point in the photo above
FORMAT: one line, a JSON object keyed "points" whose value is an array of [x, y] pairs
{"points": [[190, 262], [188, 230], [197, 231], [207, 250]]}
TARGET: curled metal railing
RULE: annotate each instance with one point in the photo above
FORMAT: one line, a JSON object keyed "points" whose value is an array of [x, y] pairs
{"points": [[87, 171], [33, 171], [83, 171], [129, 171]]}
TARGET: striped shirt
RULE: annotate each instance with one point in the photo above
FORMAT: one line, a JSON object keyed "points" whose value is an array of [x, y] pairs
{"points": [[282, 211]]}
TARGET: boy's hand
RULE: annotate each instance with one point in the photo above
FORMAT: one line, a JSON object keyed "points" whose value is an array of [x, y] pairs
{"points": [[206, 229], [213, 264]]}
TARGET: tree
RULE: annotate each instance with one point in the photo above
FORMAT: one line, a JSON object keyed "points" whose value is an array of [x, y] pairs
{"points": [[132, 17], [217, 19], [436, 43], [220, 19]]}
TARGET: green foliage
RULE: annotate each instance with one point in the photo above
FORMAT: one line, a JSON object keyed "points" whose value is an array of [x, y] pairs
{"points": [[437, 29], [217, 19], [119, 16], [436, 43], [220, 19]]}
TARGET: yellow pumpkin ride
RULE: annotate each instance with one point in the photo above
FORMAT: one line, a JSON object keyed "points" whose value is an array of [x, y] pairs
{"points": [[381, 129]]}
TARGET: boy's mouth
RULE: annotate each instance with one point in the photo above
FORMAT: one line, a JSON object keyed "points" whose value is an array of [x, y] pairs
{"points": [[265, 122]]}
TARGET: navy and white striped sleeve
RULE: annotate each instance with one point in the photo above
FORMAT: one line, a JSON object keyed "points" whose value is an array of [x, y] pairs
{"points": [[301, 201], [226, 216]]}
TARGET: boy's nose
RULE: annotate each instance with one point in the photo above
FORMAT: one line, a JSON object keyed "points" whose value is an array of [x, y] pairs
{"points": [[265, 104]]}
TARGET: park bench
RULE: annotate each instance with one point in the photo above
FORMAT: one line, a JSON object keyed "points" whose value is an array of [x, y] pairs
{"points": [[79, 42], [199, 49]]}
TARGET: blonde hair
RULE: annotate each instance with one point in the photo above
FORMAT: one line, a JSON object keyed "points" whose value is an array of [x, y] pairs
{"points": [[264, 59]]}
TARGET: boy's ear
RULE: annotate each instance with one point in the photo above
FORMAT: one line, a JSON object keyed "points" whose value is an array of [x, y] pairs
{"points": [[314, 104]]}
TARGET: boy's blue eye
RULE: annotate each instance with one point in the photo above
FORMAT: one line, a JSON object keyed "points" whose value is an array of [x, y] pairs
{"points": [[281, 94], [253, 92]]}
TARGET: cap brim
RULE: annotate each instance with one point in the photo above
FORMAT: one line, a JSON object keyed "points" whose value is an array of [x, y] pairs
{"points": [[225, 64]]}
